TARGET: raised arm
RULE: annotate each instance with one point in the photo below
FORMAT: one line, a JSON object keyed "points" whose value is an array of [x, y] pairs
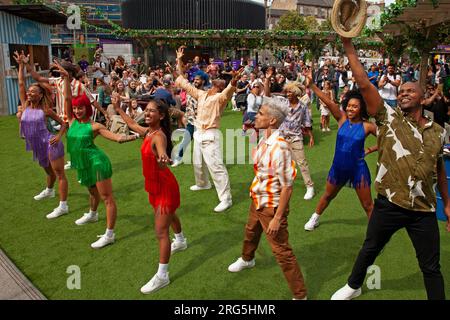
{"points": [[21, 78], [132, 124], [368, 91], [227, 94], [36, 76], [67, 92], [269, 75], [333, 106]]}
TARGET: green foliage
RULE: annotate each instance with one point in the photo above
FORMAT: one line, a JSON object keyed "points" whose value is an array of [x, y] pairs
{"points": [[292, 21]]}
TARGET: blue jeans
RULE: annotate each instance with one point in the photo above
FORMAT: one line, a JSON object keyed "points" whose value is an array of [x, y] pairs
{"points": [[188, 136], [391, 103]]}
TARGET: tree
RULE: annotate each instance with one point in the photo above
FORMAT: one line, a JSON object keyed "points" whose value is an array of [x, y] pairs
{"points": [[311, 23], [292, 21]]}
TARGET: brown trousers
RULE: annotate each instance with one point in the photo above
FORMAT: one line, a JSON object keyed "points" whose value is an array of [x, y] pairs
{"points": [[258, 221]]}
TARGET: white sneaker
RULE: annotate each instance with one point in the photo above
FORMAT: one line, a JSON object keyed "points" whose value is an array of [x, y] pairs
{"points": [[57, 212], [197, 188], [176, 163], [240, 265], [328, 129], [103, 241], [309, 193], [68, 165], [223, 205], [312, 223], [305, 298], [87, 218], [178, 245], [346, 293], [45, 194], [155, 283], [323, 130]]}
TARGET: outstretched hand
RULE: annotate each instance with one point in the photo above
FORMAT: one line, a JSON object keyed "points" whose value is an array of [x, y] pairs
{"points": [[180, 52], [21, 58], [308, 74], [180, 63], [63, 72], [236, 75], [163, 160], [269, 73]]}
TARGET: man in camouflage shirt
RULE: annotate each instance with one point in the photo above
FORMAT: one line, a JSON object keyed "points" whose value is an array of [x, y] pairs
{"points": [[410, 163]]}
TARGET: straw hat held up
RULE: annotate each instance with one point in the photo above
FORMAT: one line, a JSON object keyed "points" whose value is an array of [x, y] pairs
{"points": [[348, 17]]}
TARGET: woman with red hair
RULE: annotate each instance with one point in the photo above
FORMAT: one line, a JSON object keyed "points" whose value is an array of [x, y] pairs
{"points": [[92, 165], [48, 150]]}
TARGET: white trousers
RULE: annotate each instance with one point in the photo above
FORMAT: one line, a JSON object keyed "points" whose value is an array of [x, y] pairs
{"points": [[208, 156]]}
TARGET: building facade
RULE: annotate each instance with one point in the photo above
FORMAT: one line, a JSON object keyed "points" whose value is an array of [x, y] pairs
{"points": [[320, 9]]}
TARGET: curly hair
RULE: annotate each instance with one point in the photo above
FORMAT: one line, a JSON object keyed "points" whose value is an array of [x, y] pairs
{"points": [[46, 101], [355, 94], [296, 87]]}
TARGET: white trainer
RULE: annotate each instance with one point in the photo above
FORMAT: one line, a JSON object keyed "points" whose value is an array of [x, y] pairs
{"points": [[312, 223], [223, 205], [45, 194], [309, 193], [155, 284], [103, 241], [197, 188], [87, 218], [176, 163], [177, 245], [57, 212], [346, 293], [68, 165], [240, 265]]}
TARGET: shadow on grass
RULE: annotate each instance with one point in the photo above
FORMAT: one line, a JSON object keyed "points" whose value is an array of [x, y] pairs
{"points": [[134, 163], [203, 248], [325, 261]]}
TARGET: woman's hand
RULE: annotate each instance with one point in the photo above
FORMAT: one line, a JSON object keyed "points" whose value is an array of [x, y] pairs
{"points": [[55, 139], [19, 112], [163, 160]]}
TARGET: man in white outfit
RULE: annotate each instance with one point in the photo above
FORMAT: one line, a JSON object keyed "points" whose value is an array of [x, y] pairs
{"points": [[207, 151]]}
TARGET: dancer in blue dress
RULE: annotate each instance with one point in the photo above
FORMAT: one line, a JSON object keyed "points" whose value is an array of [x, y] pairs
{"points": [[349, 166]]}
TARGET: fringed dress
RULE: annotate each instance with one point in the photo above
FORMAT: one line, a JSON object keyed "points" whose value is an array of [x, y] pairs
{"points": [[160, 183], [91, 163], [349, 166], [33, 127]]}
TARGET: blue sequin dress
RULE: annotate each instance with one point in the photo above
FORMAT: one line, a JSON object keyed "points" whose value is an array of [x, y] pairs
{"points": [[349, 166]]}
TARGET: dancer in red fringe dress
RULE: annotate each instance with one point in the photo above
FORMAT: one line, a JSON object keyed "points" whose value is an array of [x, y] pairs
{"points": [[160, 183]]}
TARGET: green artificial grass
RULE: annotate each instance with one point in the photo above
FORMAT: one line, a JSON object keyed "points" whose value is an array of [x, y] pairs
{"points": [[44, 249]]}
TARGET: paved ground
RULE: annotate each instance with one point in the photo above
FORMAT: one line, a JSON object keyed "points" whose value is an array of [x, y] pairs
{"points": [[13, 284]]}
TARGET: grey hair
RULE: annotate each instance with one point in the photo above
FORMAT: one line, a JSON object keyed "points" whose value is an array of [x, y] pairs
{"points": [[278, 108]]}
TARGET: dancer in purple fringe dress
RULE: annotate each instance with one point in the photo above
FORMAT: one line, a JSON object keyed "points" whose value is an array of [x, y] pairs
{"points": [[48, 150]]}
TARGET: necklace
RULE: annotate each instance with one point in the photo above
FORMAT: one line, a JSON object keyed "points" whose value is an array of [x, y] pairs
{"points": [[149, 134]]}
